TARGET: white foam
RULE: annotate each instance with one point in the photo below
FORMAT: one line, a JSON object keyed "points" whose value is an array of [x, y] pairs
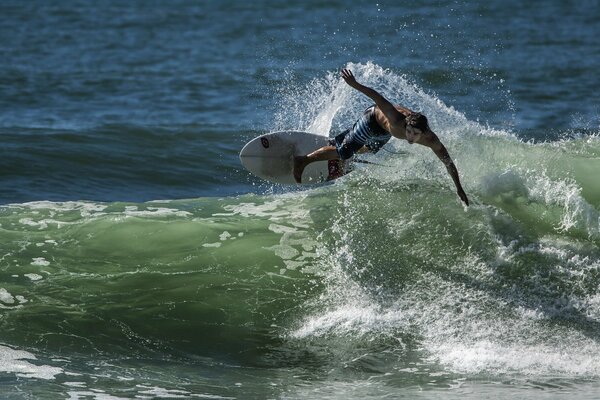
{"points": [[278, 228], [224, 236], [40, 261], [524, 359], [96, 395], [348, 319], [75, 384], [267, 209], [86, 209], [6, 297], [14, 361], [44, 223], [157, 391], [33, 277], [21, 299], [31, 222], [293, 265], [577, 212], [286, 252], [132, 211], [456, 326]]}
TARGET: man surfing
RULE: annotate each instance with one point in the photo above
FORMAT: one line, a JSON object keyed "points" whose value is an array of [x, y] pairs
{"points": [[374, 129]]}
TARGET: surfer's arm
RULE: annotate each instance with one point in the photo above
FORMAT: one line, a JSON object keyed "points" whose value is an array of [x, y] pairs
{"points": [[441, 153], [388, 109]]}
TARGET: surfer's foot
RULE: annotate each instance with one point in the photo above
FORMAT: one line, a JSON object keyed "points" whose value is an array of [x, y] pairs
{"points": [[299, 165]]}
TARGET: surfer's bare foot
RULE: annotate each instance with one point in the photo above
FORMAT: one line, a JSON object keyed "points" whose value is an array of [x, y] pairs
{"points": [[299, 165]]}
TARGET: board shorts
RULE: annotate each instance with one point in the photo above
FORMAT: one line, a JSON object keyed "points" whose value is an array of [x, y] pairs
{"points": [[365, 132]]}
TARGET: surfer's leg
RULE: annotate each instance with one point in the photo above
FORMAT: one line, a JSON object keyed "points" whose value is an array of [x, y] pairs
{"points": [[342, 147], [322, 154]]}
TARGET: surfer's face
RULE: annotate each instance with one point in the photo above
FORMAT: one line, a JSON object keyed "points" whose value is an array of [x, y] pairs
{"points": [[413, 134]]}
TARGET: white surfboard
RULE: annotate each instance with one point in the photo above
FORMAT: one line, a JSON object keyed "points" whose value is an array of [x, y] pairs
{"points": [[271, 157]]}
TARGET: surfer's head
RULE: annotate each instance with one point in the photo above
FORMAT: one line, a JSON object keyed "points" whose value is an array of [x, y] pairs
{"points": [[416, 125]]}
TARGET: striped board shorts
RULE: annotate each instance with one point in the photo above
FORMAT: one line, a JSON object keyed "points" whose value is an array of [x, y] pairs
{"points": [[365, 132]]}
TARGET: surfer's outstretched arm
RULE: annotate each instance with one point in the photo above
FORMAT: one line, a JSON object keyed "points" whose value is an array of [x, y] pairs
{"points": [[441, 152], [388, 109]]}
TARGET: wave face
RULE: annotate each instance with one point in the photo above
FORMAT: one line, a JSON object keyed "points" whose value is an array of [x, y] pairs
{"points": [[382, 274]]}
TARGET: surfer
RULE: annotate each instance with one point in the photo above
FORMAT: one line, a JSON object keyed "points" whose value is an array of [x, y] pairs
{"points": [[374, 129]]}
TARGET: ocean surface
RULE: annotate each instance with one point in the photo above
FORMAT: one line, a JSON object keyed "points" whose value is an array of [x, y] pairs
{"points": [[138, 259]]}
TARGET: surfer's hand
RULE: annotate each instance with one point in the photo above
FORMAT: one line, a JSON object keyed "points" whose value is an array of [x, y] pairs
{"points": [[349, 77], [463, 196]]}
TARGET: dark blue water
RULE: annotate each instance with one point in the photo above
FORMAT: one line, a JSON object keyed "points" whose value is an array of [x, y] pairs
{"points": [[135, 83], [139, 259]]}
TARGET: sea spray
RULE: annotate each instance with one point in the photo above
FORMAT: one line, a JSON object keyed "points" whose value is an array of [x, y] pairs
{"points": [[405, 261]]}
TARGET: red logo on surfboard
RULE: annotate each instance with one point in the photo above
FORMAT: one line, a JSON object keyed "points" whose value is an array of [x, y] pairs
{"points": [[265, 142]]}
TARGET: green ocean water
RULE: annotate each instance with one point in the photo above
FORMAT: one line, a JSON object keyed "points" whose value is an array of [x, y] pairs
{"points": [[379, 278]]}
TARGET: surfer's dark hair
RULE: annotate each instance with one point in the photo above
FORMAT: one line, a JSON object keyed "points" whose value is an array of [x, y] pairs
{"points": [[417, 120]]}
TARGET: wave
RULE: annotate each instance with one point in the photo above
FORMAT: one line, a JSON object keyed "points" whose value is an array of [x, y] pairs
{"points": [[384, 270]]}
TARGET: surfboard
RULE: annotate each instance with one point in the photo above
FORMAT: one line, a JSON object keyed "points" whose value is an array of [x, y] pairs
{"points": [[271, 157]]}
